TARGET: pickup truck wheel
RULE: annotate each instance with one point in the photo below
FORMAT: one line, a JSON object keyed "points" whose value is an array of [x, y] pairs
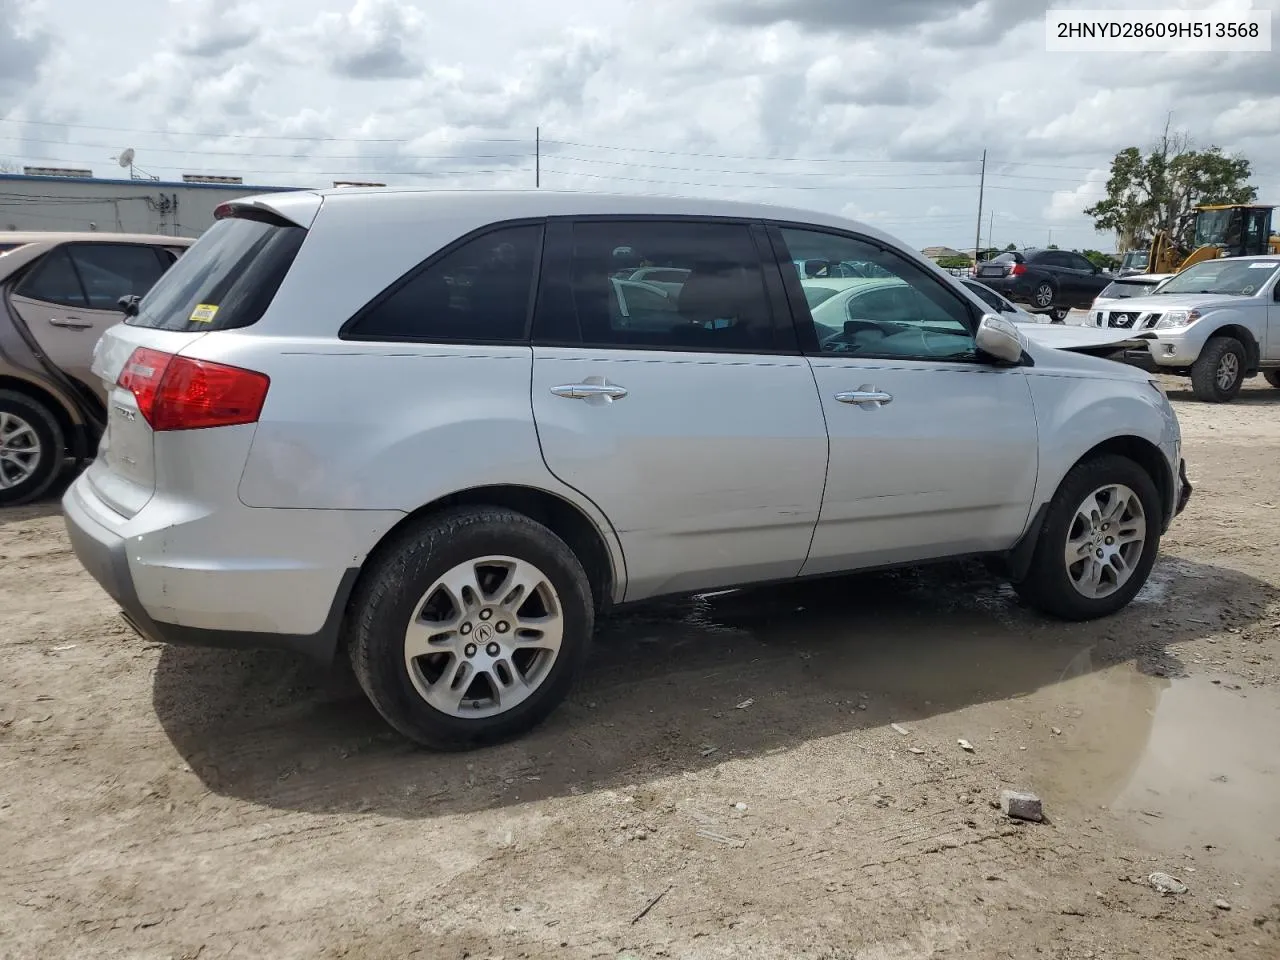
{"points": [[1272, 377], [32, 448], [470, 628], [1098, 543], [1042, 296], [1218, 373]]}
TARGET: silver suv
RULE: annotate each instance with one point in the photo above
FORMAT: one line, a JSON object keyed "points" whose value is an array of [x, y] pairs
{"points": [[444, 432]]}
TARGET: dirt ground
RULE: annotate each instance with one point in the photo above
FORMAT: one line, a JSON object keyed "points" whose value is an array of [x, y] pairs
{"points": [[728, 781]]}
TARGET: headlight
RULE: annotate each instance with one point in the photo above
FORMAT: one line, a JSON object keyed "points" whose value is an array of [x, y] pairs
{"points": [[1177, 318]]}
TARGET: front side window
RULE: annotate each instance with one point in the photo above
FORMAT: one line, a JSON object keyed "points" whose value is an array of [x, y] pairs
{"points": [[908, 313], [478, 292], [715, 299]]}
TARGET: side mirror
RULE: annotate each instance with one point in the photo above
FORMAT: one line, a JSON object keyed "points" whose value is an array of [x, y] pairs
{"points": [[129, 305], [999, 338]]}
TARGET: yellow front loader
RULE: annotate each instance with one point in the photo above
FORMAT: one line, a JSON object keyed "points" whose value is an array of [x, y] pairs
{"points": [[1222, 230]]}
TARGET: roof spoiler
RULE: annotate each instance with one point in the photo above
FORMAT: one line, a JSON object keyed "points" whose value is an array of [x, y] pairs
{"points": [[293, 209]]}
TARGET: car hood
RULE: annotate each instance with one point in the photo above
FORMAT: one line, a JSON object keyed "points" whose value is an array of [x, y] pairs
{"points": [[1098, 340], [1161, 302]]}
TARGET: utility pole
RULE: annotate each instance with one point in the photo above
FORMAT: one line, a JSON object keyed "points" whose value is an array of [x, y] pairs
{"points": [[991, 220], [982, 183], [1051, 236], [537, 157]]}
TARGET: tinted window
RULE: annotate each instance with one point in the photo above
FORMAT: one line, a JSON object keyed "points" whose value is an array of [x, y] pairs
{"points": [[911, 315], [54, 280], [115, 270], [477, 292], [1079, 262], [227, 279], [987, 295], [1006, 258], [720, 304]]}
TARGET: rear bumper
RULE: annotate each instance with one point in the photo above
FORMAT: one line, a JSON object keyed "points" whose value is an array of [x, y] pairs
{"points": [[105, 554]]}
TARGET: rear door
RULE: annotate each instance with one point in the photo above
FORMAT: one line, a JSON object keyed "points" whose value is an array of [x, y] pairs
{"points": [[69, 298], [226, 280], [693, 423]]}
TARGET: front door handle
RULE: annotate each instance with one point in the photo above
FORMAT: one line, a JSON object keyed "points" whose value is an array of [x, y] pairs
{"points": [[597, 392], [868, 397], [70, 323]]}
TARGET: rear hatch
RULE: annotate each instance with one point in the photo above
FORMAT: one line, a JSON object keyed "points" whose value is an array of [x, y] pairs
{"points": [[226, 280]]}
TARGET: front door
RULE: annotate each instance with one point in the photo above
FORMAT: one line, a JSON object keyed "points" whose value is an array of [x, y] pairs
{"points": [[933, 450], [687, 415], [69, 298]]}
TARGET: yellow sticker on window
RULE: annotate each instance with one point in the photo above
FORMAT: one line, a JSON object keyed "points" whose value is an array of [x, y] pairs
{"points": [[204, 313]]}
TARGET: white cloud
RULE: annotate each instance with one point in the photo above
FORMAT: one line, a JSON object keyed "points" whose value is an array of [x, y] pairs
{"points": [[668, 96]]}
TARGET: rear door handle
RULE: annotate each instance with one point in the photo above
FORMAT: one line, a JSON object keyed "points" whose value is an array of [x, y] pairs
{"points": [[70, 323], [865, 396], [598, 392]]}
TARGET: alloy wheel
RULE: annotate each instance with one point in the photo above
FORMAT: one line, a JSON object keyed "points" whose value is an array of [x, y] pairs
{"points": [[20, 450], [1105, 541]]}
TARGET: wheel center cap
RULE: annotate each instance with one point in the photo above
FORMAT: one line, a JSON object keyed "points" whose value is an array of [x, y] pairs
{"points": [[484, 633]]}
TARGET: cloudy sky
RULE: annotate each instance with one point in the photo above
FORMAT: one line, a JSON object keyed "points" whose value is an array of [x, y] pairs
{"points": [[877, 108]]}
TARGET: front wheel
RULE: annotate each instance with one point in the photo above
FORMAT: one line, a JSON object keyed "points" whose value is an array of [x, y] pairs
{"points": [[1218, 373], [1098, 542], [470, 628], [1059, 314]]}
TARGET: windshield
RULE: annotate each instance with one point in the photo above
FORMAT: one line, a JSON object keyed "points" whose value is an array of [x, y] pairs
{"points": [[1120, 290], [1212, 226], [817, 295], [1134, 260], [227, 279], [1231, 278]]}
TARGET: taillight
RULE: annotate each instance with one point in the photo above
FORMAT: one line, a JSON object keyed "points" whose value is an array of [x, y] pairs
{"points": [[1018, 270], [181, 393]]}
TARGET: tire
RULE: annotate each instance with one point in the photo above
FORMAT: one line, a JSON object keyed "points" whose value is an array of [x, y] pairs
{"points": [[1049, 584], [399, 586], [32, 448], [1043, 295], [1059, 314], [1213, 366], [1272, 377]]}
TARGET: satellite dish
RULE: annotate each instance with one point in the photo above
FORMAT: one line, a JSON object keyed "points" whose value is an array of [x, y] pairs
{"points": [[126, 159]]}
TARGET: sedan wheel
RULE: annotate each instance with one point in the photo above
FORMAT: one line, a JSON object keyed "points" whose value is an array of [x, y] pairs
{"points": [[1043, 296], [31, 448], [20, 450]]}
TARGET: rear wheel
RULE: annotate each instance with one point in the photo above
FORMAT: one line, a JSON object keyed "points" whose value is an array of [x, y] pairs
{"points": [[1218, 373], [1043, 295], [1272, 377], [1059, 314], [1098, 543], [470, 628], [32, 448]]}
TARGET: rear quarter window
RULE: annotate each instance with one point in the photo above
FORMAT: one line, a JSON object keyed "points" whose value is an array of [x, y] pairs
{"points": [[226, 280]]}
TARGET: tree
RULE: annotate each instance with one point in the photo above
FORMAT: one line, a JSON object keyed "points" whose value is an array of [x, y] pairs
{"points": [[1052, 246], [1158, 192], [1099, 259], [1011, 248], [954, 262]]}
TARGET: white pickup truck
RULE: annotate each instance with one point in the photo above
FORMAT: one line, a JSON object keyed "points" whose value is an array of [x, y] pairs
{"points": [[1217, 322]]}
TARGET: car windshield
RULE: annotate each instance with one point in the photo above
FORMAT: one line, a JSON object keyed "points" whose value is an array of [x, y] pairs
{"points": [[1121, 289], [1230, 278], [817, 295], [1134, 260]]}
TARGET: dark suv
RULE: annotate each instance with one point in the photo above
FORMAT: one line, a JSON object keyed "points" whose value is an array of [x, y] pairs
{"points": [[1050, 281]]}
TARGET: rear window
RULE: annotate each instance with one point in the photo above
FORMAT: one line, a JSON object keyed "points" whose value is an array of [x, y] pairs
{"points": [[1006, 258], [227, 279]]}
